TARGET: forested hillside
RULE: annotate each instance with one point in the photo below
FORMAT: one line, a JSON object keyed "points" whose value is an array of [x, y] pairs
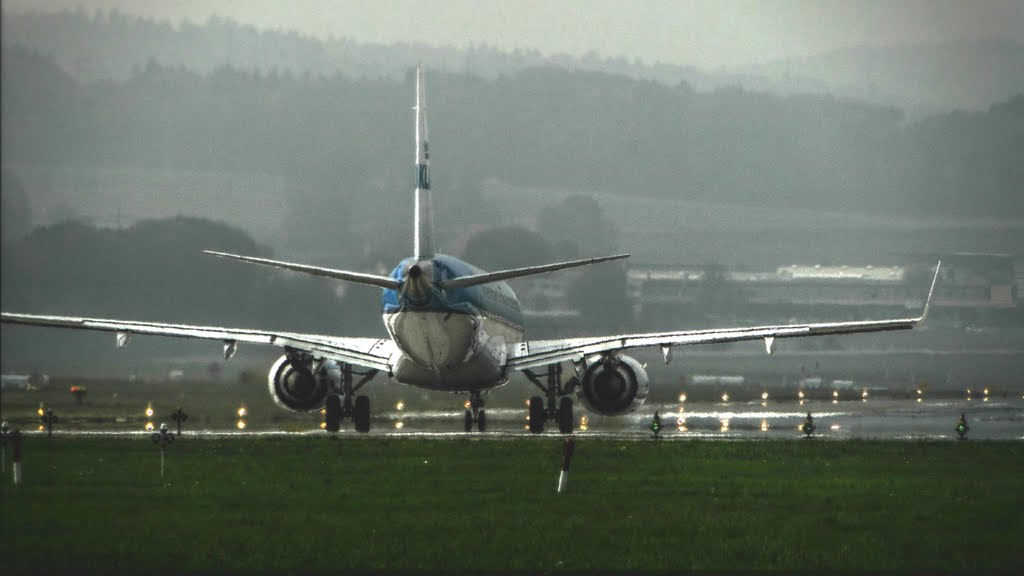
{"points": [[539, 127]]}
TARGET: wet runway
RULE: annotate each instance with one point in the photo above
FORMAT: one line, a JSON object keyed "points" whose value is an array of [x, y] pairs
{"points": [[1001, 419], [884, 419]]}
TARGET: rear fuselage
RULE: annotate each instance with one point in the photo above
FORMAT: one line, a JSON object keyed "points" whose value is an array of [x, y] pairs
{"points": [[450, 339]]}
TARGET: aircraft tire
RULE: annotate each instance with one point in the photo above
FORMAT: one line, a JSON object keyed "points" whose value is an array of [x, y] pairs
{"points": [[481, 421], [332, 414], [536, 415], [469, 421], [565, 415], [362, 414]]}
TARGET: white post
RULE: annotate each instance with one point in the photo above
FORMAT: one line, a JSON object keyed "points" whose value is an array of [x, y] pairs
{"points": [[563, 477], [162, 462], [16, 455], [5, 435]]}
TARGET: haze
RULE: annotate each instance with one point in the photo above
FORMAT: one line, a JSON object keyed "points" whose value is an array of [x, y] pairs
{"points": [[748, 138], [705, 34]]}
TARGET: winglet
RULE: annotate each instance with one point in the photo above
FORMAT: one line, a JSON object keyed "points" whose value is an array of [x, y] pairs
{"points": [[931, 291]]}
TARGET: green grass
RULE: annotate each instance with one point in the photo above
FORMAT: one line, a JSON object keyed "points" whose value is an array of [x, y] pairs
{"points": [[322, 504]]}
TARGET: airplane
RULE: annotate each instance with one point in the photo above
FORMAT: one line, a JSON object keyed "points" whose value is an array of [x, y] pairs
{"points": [[454, 327]]}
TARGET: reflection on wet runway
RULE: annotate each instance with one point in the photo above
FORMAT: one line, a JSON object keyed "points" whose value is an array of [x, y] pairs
{"points": [[999, 419]]}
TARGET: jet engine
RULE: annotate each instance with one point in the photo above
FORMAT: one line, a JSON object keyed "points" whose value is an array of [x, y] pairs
{"points": [[613, 385], [295, 387]]}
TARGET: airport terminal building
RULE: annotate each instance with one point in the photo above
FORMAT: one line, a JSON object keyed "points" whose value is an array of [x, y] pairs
{"points": [[974, 292]]}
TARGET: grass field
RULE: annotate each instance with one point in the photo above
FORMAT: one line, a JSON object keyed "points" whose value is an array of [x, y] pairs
{"points": [[306, 504]]}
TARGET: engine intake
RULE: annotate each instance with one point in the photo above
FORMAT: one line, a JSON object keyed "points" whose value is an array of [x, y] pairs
{"points": [[612, 386], [296, 388]]}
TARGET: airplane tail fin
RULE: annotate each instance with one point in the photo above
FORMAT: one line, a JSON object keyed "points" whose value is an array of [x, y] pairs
{"points": [[424, 220]]}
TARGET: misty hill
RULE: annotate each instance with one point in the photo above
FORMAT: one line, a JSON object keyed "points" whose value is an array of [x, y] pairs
{"points": [[188, 141], [111, 45], [920, 79]]}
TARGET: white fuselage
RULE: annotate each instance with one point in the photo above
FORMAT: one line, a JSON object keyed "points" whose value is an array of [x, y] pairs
{"points": [[450, 339], [450, 351]]}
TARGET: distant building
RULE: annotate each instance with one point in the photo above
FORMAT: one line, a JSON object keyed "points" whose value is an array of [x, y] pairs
{"points": [[24, 381], [972, 288]]}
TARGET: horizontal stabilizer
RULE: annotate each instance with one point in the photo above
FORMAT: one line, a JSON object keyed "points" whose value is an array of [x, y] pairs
{"points": [[357, 277], [487, 277]]}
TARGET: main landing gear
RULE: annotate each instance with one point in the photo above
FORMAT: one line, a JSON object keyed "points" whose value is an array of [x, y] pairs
{"points": [[475, 414], [339, 401], [559, 404]]}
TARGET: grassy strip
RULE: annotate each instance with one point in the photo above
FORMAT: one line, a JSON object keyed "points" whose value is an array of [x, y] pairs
{"points": [[302, 504]]}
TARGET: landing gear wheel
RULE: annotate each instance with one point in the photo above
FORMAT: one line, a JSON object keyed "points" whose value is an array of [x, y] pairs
{"points": [[332, 413], [565, 415], [481, 421], [536, 415], [469, 421], [362, 414]]}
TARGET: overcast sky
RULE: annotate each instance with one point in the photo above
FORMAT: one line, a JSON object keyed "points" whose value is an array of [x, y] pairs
{"points": [[708, 34]]}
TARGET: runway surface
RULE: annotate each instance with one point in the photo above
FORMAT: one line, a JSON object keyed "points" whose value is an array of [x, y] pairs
{"points": [[989, 419]]}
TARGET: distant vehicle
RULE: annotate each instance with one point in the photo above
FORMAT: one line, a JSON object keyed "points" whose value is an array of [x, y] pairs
{"points": [[456, 328]]}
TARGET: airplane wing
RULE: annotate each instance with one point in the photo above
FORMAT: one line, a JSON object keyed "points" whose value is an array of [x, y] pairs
{"points": [[368, 352], [529, 354]]}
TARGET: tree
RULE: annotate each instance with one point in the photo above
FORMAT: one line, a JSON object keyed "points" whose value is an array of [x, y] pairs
{"points": [[717, 294], [507, 247], [578, 226], [15, 213], [599, 293]]}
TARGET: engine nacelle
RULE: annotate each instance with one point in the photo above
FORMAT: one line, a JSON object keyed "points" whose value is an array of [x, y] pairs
{"points": [[613, 385], [296, 388]]}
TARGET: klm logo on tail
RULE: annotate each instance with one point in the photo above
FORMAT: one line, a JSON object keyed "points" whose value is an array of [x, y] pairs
{"points": [[423, 176]]}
